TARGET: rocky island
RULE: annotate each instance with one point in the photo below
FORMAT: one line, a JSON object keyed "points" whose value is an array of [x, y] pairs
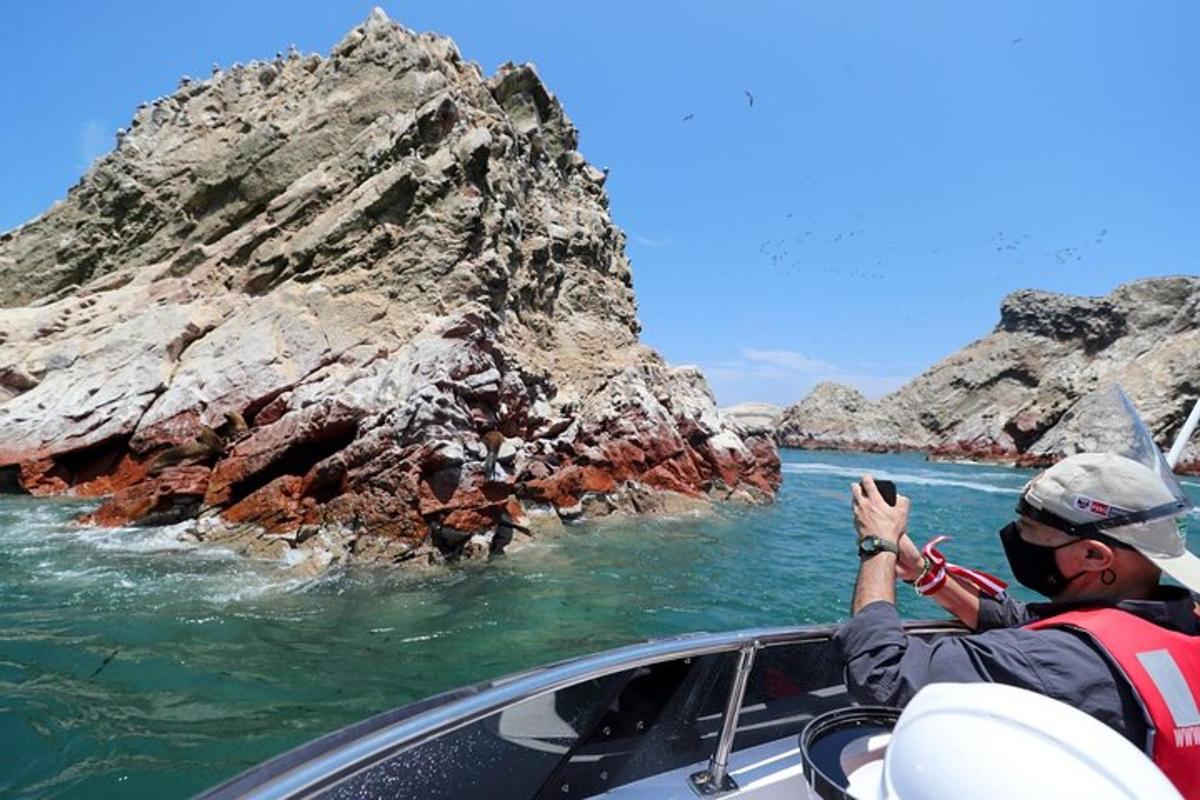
{"points": [[1013, 395], [366, 306]]}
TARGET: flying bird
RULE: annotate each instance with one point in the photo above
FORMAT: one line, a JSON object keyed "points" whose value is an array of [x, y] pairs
{"points": [[1018, 40], [689, 117], [750, 98]]}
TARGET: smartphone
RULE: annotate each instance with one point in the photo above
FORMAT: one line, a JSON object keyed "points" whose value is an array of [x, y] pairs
{"points": [[887, 490]]}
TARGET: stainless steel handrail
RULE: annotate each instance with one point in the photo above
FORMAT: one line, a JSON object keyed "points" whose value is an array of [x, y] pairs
{"points": [[346, 760], [718, 766], [715, 779]]}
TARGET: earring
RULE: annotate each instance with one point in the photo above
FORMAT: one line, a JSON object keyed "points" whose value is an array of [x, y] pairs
{"points": [[1108, 577]]}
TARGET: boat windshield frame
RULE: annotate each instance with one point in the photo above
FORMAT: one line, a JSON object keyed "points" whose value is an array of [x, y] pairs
{"points": [[322, 763]]}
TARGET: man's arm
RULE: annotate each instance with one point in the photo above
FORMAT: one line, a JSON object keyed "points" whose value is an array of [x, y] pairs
{"points": [[876, 581], [874, 517], [1002, 612], [960, 599], [877, 574], [886, 666]]}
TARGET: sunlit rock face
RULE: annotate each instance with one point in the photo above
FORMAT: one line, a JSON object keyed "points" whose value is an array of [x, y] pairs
{"points": [[837, 417], [373, 299], [1008, 396]]}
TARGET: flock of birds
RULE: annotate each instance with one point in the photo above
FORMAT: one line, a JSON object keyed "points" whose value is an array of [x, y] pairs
{"points": [[810, 249], [817, 249], [1009, 243]]}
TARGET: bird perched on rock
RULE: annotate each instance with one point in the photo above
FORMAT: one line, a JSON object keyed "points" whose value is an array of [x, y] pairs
{"points": [[492, 441]]}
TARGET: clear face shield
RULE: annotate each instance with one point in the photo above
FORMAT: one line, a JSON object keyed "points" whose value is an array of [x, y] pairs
{"points": [[1118, 428], [1108, 422]]}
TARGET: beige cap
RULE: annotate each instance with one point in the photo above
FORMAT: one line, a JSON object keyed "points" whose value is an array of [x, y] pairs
{"points": [[1089, 487]]}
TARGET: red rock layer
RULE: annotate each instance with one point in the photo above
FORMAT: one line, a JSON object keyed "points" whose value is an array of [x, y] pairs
{"points": [[399, 471]]}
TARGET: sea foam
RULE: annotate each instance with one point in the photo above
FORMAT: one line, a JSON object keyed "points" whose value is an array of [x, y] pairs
{"points": [[899, 478]]}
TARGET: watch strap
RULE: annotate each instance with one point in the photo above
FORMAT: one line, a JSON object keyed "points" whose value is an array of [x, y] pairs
{"points": [[876, 546]]}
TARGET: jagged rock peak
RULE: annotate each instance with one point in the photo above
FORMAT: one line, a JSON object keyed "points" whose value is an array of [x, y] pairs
{"points": [[835, 395], [309, 168], [1099, 321], [834, 415], [1095, 321]]}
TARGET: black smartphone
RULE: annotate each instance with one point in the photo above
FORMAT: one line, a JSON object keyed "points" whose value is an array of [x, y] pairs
{"points": [[887, 490]]}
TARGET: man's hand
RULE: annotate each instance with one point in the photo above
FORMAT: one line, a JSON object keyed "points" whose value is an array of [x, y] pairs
{"points": [[874, 517]]}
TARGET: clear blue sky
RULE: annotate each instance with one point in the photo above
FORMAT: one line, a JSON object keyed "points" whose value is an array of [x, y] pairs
{"points": [[904, 165]]}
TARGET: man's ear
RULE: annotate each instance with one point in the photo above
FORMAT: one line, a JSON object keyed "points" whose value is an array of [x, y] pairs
{"points": [[1098, 555]]}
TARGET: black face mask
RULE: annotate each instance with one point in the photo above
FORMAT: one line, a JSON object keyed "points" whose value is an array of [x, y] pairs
{"points": [[1034, 565]]}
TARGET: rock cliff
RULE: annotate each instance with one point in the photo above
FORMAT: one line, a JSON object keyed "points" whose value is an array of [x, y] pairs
{"points": [[1008, 395], [373, 300], [833, 416]]}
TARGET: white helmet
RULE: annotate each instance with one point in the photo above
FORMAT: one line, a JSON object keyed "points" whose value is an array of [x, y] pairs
{"points": [[989, 741]]}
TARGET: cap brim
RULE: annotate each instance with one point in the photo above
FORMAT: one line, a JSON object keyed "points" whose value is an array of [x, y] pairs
{"points": [[1184, 568]]}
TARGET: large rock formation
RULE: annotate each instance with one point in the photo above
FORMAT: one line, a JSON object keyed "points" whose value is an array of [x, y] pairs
{"points": [[833, 416], [375, 294], [1005, 396]]}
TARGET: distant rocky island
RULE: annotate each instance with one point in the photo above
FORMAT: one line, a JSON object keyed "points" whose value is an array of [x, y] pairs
{"points": [[366, 306], [1014, 395]]}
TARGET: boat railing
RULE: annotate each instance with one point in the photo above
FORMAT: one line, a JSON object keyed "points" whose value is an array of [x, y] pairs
{"points": [[715, 779], [315, 767]]}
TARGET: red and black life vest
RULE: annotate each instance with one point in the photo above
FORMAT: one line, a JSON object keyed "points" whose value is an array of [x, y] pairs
{"points": [[1163, 666]]}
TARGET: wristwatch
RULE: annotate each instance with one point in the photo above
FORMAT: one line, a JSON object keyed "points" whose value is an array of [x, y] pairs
{"points": [[872, 545]]}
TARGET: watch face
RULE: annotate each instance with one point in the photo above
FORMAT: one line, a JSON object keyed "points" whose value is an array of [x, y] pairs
{"points": [[870, 545]]}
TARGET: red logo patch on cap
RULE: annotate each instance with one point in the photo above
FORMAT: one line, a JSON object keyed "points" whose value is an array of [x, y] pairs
{"points": [[1095, 507]]}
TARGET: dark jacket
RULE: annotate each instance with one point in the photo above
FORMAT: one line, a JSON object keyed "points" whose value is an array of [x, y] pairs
{"points": [[885, 666]]}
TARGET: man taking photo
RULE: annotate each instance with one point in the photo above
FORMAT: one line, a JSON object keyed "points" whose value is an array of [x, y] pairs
{"points": [[1093, 533]]}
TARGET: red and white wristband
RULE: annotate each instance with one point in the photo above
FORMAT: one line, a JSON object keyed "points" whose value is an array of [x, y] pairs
{"points": [[937, 570]]}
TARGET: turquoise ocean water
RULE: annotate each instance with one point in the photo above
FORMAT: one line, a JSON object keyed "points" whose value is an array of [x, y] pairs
{"points": [[131, 667]]}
